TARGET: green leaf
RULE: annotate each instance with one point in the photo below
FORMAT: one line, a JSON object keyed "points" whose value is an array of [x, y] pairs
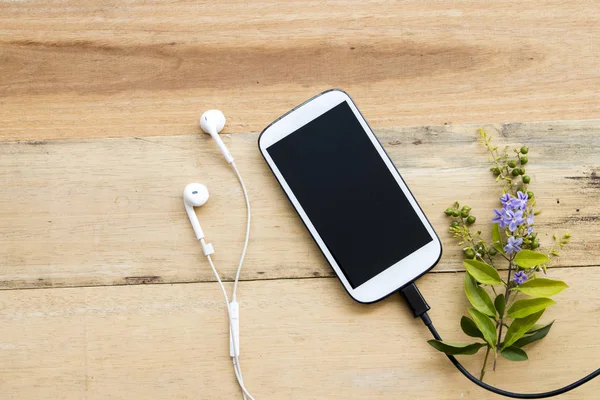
{"points": [[519, 326], [542, 287], [482, 272], [500, 304], [497, 239], [537, 327], [514, 354], [455, 349], [478, 297], [486, 326], [529, 259], [534, 337], [469, 327], [523, 308]]}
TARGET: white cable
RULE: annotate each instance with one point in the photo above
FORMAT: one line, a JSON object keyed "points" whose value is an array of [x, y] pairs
{"points": [[235, 359], [238, 374], [248, 216], [236, 362]]}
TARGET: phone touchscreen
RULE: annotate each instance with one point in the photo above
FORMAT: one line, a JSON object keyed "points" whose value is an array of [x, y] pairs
{"points": [[349, 194]]}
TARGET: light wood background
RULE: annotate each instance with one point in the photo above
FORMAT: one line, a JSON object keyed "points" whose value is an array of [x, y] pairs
{"points": [[104, 293]]}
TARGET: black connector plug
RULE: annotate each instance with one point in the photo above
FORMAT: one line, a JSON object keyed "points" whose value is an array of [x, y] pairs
{"points": [[414, 299]]}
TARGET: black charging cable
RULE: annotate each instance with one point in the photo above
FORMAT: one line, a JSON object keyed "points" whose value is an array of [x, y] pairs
{"points": [[419, 307]]}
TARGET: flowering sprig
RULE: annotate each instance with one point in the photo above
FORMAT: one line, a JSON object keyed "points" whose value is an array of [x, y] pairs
{"points": [[520, 299]]}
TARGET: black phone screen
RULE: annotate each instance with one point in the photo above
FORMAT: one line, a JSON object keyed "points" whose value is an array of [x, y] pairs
{"points": [[349, 194]]}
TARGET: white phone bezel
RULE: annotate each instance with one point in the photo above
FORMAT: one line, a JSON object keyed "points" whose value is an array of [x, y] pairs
{"points": [[396, 275]]}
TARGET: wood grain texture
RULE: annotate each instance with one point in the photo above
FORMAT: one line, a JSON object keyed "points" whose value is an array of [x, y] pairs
{"points": [[85, 212], [301, 339], [110, 211], [79, 69]]}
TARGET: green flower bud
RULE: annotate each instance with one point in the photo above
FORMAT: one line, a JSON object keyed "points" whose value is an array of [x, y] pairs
{"points": [[454, 224], [521, 171], [448, 211], [464, 213], [535, 244], [512, 163], [533, 235], [526, 179], [515, 172], [495, 170], [469, 253], [492, 251], [471, 220], [524, 160], [455, 213], [530, 195], [466, 208], [524, 150]]}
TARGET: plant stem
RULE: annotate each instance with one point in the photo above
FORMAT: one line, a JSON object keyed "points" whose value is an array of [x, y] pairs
{"points": [[487, 353], [508, 298], [506, 258], [506, 293], [494, 155], [472, 241]]}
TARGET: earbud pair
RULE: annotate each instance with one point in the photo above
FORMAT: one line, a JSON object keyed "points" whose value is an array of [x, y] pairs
{"points": [[196, 194]]}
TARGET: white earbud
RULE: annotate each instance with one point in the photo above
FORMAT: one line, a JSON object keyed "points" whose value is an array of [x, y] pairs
{"points": [[195, 195], [212, 122]]}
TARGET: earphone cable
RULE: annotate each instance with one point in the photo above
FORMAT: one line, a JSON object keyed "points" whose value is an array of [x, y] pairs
{"points": [[248, 217], [237, 368], [235, 359], [236, 362]]}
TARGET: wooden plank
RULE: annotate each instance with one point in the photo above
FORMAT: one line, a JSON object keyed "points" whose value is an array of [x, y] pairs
{"points": [[303, 339], [79, 69], [105, 212]]}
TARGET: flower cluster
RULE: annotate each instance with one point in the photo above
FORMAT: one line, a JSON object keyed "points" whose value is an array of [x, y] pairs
{"points": [[511, 213], [516, 216]]}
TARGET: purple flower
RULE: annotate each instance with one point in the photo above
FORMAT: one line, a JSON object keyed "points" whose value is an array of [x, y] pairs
{"points": [[519, 202], [530, 219], [511, 213], [520, 277], [513, 245], [513, 219], [499, 217], [530, 230]]}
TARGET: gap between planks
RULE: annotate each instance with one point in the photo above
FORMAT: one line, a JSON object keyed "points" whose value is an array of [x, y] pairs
{"points": [[155, 280]]}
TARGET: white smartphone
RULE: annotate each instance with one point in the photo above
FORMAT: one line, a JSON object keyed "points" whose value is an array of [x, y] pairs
{"points": [[350, 196]]}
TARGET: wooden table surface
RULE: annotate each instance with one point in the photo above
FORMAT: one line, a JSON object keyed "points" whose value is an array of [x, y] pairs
{"points": [[104, 293]]}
